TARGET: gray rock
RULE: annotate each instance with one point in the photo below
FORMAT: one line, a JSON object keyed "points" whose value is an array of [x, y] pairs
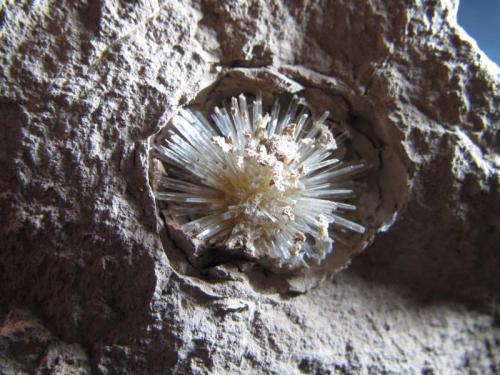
{"points": [[85, 84]]}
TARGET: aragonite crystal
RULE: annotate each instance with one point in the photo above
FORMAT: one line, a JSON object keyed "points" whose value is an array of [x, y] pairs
{"points": [[262, 182]]}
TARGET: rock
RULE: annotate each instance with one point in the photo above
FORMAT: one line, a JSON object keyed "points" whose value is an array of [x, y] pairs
{"points": [[84, 85], [62, 358], [27, 346]]}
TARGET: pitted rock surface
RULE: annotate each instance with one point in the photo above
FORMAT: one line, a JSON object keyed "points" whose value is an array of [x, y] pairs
{"points": [[85, 282]]}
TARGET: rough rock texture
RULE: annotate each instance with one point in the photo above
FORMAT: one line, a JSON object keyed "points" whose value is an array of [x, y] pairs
{"points": [[85, 282]]}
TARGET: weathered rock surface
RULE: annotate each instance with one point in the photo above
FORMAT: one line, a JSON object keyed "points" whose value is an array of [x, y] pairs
{"points": [[85, 282]]}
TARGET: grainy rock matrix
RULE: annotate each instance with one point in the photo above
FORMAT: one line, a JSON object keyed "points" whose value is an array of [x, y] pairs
{"points": [[85, 282]]}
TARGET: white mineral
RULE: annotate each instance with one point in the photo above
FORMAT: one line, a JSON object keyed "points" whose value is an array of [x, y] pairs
{"points": [[261, 184]]}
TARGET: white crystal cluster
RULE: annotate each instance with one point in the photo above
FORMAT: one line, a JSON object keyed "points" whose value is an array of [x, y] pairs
{"points": [[264, 183]]}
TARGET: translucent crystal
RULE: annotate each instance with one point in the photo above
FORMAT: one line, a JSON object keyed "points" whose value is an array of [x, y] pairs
{"points": [[264, 181]]}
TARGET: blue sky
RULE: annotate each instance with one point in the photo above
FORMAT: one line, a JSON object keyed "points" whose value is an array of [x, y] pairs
{"points": [[481, 20]]}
